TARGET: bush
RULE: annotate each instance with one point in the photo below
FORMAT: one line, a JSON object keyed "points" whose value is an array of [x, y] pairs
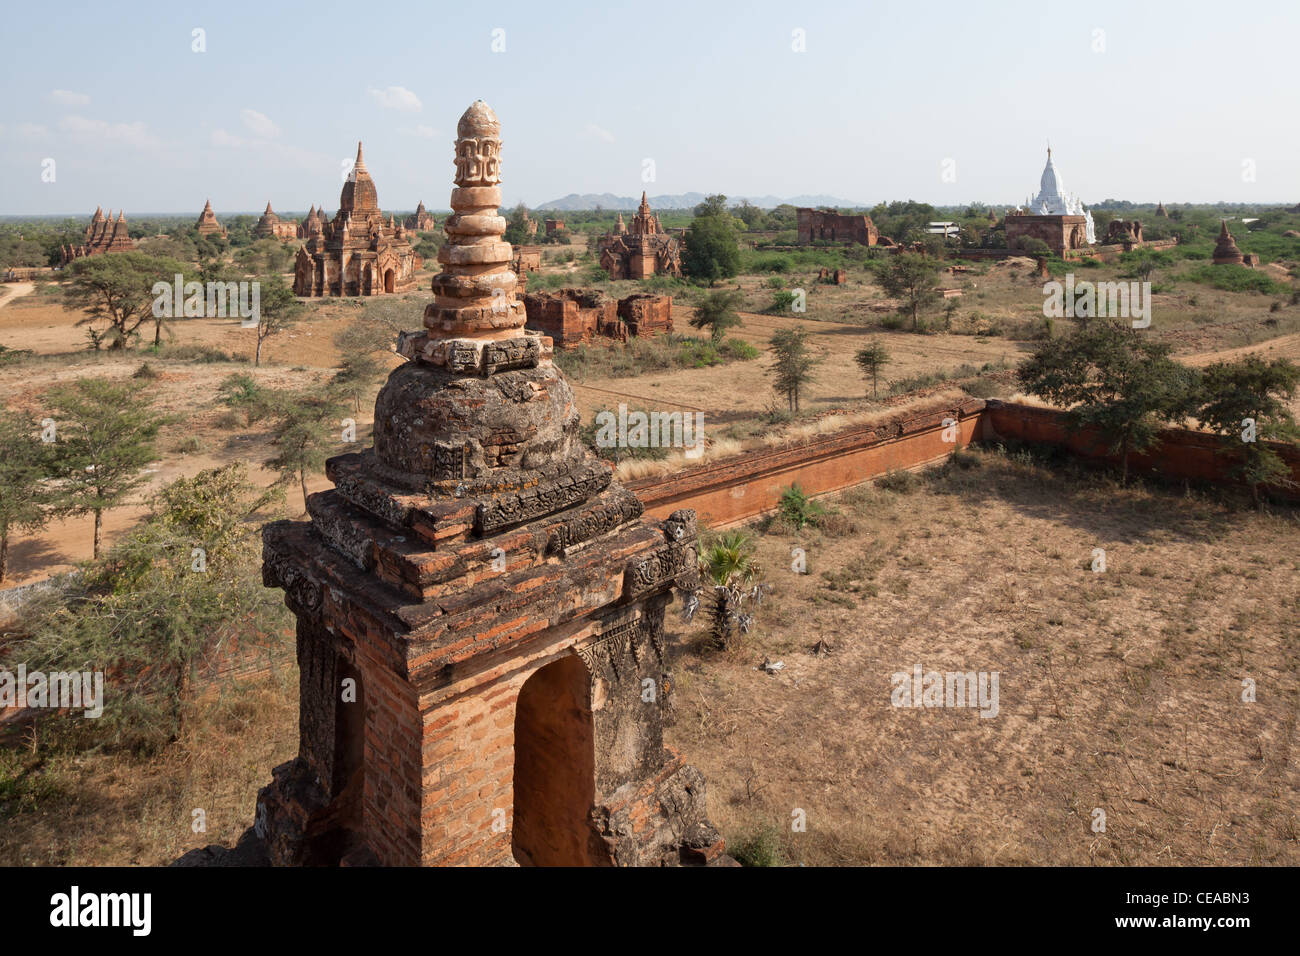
{"points": [[762, 847], [800, 510], [1233, 278], [899, 482]]}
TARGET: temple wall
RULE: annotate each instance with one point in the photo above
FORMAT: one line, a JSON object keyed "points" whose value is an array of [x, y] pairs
{"points": [[747, 486]]}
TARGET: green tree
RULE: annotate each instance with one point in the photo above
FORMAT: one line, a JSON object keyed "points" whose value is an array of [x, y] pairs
{"points": [[1112, 378], [914, 279], [517, 226], [278, 309], [717, 313], [355, 377], [117, 288], [793, 363], [183, 583], [871, 358], [729, 568], [712, 251], [104, 438], [1249, 400], [24, 494], [305, 435]]}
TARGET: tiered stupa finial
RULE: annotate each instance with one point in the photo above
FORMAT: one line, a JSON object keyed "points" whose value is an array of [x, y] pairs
{"points": [[474, 303]]}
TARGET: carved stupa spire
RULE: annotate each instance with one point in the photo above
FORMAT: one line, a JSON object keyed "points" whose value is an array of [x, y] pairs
{"points": [[475, 324], [475, 292]]}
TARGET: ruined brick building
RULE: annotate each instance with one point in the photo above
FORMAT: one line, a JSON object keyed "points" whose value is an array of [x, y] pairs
{"points": [[271, 226], [207, 224], [358, 253], [102, 235], [642, 250], [484, 677], [819, 224], [572, 317]]}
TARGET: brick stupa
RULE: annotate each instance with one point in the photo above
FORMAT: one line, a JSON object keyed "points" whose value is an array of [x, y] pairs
{"points": [[207, 224], [480, 608]]}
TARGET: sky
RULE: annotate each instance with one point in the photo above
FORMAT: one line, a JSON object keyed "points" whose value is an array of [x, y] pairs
{"points": [[947, 103]]}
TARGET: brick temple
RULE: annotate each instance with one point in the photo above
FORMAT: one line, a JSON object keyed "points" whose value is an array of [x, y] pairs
{"points": [[1053, 216], [421, 220], [207, 224], [480, 607], [358, 252], [271, 226], [104, 234], [641, 250]]}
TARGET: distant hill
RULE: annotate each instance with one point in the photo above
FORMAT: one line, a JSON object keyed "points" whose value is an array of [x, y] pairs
{"points": [[575, 201]]}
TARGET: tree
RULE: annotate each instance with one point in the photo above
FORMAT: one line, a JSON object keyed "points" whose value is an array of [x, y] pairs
{"points": [[711, 249], [793, 363], [183, 583], [914, 279], [1110, 377], [304, 435], [517, 226], [871, 358], [1249, 399], [24, 495], [118, 288], [717, 313], [278, 308], [355, 377], [728, 565], [104, 432], [376, 330]]}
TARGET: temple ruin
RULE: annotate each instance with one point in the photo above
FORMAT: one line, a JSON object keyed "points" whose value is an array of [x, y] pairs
{"points": [[420, 220], [358, 253], [271, 226], [483, 670], [819, 224], [640, 251], [1226, 252], [102, 235], [207, 224]]}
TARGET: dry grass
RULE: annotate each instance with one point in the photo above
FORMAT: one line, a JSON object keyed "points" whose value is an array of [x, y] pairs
{"points": [[101, 809], [1119, 690]]}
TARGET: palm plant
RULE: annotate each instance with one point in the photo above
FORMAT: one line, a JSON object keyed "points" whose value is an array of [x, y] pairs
{"points": [[727, 564]]}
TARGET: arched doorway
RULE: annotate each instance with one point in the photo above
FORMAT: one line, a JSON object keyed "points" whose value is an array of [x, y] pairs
{"points": [[555, 767], [390, 281], [368, 280]]}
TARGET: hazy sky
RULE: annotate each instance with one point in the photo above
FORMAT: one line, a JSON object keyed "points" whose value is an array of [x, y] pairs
{"points": [[1184, 101]]}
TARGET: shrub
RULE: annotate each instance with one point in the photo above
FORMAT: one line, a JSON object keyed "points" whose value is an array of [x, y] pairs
{"points": [[899, 482], [800, 510]]}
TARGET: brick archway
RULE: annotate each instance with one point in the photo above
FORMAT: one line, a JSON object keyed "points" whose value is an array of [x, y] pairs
{"points": [[389, 280], [555, 768]]}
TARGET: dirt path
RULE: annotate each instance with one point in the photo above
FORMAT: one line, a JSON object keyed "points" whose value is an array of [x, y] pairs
{"points": [[15, 290], [1285, 346]]}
